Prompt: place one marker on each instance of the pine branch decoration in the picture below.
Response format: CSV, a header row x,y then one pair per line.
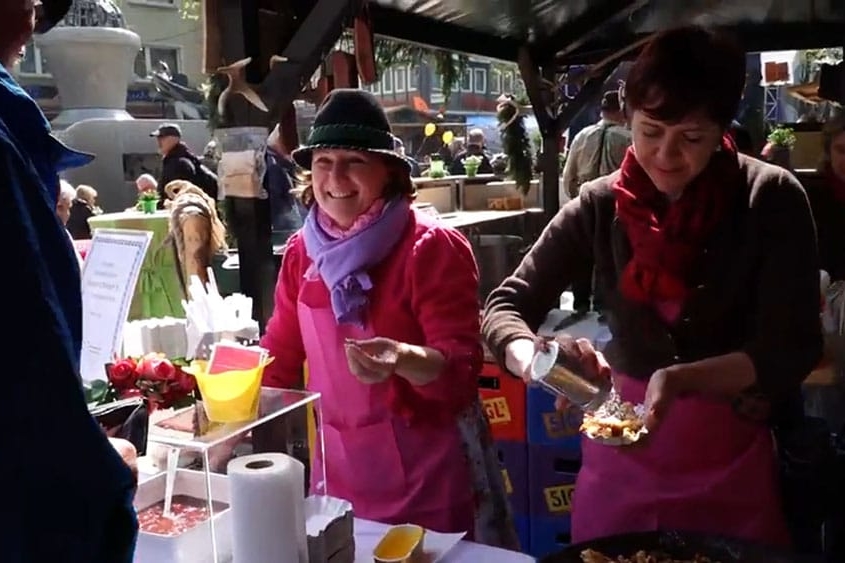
x,y
516,142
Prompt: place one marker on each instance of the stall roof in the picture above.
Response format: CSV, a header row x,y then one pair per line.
x,y
579,31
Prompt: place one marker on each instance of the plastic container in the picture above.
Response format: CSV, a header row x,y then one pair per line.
x,y
401,544
231,396
194,545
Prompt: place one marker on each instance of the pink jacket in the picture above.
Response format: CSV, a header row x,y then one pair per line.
x,y
424,293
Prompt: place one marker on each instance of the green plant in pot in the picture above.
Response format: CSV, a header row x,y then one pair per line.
x,y
471,164
148,201
779,149
438,167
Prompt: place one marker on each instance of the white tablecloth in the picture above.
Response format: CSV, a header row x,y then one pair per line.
x,y
368,534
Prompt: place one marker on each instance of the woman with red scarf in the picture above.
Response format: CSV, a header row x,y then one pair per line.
x,y
708,258
826,191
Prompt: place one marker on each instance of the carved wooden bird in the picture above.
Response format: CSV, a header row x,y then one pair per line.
x,y
236,73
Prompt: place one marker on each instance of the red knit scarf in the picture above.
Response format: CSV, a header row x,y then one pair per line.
x,y
836,185
668,238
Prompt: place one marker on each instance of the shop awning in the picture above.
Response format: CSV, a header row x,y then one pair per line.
x,y
577,31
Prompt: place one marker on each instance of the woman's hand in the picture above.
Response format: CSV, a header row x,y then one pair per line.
x,y
518,357
661,391
373,360
592,361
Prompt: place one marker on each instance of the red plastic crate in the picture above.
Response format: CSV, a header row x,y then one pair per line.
x,y
503,397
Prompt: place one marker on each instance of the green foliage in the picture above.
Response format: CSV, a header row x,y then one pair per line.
x,y
190,9
450,66
782,137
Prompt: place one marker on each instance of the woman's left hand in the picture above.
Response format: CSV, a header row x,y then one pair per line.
x,y
373,360
662,389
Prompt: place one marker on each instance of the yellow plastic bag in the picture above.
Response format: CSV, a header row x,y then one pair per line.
x,y
231,396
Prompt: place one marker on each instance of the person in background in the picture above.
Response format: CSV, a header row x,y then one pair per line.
x,y
742,138
382,301
84,207
712,277
596,150
285,210
400,149
64,209
179,163
475,147
65,464
146,182
827,198
64,203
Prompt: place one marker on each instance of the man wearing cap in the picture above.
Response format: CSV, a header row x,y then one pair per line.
x,y
68,494
595,151
177,161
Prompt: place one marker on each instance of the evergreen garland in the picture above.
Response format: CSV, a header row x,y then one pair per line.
x,y
516,143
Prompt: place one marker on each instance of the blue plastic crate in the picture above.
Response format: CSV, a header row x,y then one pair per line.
x,y
551,481
549,535
513,460
523,531
548,427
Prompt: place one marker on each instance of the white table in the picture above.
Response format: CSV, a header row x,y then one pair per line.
x,y
368,534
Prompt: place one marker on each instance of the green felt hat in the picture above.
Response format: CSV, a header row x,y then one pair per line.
x,y
349,119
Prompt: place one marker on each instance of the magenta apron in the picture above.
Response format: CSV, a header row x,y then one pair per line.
x,y
392,472
704,469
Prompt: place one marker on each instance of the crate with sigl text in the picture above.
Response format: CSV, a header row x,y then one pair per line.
x,y
549,427
503,398
513,461
551,482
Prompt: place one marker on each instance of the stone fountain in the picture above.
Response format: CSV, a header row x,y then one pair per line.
x,y
91,56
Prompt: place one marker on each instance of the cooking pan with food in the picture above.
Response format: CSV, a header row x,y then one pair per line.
x,y
680,546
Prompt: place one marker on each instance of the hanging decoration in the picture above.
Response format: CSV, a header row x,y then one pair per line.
x,y
429,129
448,137
516,143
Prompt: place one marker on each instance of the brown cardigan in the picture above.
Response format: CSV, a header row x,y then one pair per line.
x,y
757,285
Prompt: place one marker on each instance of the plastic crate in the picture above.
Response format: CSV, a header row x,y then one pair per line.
x,y
551,481
548,427
522,523
513,458
503,397
548,536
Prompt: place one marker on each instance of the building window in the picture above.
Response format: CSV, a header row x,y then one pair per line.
x,y
495,81
149,57
387,82
507,83
413,78
34,62
466,80
479,78
399,77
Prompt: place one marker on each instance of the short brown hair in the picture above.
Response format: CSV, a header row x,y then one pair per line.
x,y
687,69
400,183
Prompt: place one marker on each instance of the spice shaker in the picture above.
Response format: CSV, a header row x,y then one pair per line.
x,y
560,372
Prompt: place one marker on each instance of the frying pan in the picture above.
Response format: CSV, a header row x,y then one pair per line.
x,y
680,545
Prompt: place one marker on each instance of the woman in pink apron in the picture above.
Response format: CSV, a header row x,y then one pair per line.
x,y
382,302
707,261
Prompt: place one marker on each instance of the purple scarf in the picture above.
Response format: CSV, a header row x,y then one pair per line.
x,y
343,263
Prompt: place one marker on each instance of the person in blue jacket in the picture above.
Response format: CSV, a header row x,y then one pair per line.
x,y
67,495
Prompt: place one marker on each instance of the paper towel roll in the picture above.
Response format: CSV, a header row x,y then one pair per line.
x,y
268,509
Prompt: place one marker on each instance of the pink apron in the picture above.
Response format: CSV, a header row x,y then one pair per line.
x,y
392,472
704,469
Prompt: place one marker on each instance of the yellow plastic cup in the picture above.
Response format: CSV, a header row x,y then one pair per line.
x,y
231,396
